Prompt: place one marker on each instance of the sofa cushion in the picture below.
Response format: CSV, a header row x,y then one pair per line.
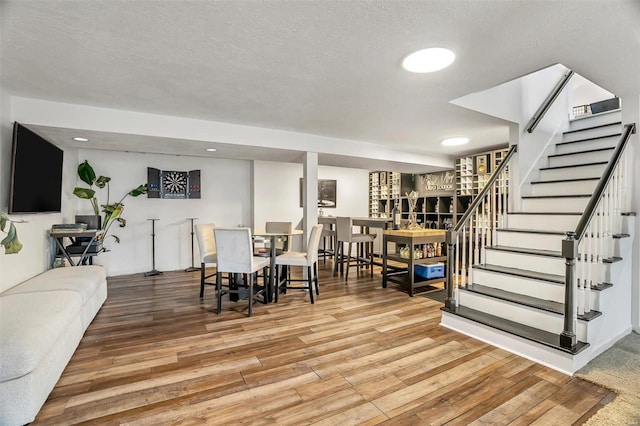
x,y
83,279
30,325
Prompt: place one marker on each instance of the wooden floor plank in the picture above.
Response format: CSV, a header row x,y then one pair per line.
x,y
158,354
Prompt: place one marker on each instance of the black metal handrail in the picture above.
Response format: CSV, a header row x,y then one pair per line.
x,y
590,209
451,234
494,176
542,110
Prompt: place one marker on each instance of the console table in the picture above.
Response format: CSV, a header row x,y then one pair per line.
x,y
410,238
60,235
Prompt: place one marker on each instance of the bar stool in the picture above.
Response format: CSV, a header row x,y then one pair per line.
x,y
344,234
331,235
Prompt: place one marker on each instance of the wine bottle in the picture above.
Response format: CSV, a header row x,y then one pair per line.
x,y
396,216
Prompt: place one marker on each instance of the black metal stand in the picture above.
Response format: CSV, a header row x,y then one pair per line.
x,y
192,267
153,271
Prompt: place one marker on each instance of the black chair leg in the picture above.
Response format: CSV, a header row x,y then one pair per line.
x,y
346,273
219,288
310,283
250,282
315,277
201,280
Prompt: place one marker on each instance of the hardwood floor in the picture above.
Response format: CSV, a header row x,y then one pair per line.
x,y
157,354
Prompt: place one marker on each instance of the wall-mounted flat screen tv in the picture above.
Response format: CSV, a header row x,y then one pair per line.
x,y
36,173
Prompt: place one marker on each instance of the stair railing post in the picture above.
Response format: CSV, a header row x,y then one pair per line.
x,y
569,252
450,241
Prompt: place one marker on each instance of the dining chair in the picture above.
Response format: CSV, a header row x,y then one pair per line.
x,y
344,234
207,249
296,258
235,256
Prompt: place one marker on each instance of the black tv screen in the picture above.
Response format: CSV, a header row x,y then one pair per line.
x,y
36,173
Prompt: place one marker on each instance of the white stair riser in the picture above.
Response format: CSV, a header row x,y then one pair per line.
x,y
543,222
591,133
575,159
593,170
515,284
596,120
530,240
578,187
609,142
529,287
558,205
532,317
546,264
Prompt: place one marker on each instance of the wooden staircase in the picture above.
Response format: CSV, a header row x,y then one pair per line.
x,y
514,296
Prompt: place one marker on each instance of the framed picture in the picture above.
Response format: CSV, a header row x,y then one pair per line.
x,y
326,193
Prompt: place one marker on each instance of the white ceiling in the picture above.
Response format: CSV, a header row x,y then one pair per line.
x,y
321,67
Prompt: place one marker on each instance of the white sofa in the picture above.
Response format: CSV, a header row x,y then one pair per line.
x,y
42,321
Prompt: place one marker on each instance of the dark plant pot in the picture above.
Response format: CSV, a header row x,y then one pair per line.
x,y
92,221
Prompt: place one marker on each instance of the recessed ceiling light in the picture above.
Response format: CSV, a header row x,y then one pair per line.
x,y
81,139
428,60
455,141
211,149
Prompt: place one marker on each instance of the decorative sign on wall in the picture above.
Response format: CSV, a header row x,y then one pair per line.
x,y
173,184
437,182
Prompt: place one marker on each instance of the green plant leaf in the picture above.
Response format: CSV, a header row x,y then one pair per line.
x,y
102,181
11,243
142,189
85,193
3,220
86,173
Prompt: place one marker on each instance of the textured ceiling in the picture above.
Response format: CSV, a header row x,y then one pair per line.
x,y
322,67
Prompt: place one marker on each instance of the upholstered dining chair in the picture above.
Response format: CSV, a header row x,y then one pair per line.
x,y
235,256
207,249
296,258
344,234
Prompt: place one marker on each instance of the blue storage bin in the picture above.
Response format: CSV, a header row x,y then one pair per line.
x,y
435,270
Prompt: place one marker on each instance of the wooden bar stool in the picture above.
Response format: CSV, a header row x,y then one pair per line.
x,y
344,234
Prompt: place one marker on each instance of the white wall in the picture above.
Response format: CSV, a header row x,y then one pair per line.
x,y
226,201
276,189
586,92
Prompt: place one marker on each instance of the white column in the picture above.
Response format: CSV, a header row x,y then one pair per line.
x,y
631,114
310,194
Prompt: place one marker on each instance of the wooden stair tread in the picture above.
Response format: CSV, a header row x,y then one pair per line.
x,y
549,213
522,299
565,180
589,139
538,252
597,163
525,273
530,231
526,332
581,152
557,196
615,123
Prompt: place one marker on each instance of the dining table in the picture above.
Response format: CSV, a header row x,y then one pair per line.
x,y
273,238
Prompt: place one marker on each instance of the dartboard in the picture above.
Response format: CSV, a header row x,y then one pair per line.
x,y
174,182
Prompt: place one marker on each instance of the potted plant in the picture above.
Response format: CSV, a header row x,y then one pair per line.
x,y
112,212
10,242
